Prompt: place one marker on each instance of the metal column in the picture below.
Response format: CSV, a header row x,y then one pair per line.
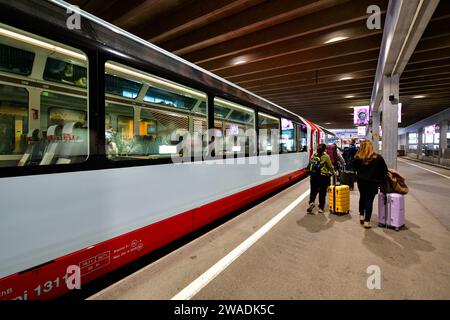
x,y
376,130
390,120
443,127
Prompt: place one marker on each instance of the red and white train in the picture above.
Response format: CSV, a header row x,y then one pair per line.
x,y
86,176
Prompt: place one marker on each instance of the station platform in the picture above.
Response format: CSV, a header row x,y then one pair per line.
x,y
302,256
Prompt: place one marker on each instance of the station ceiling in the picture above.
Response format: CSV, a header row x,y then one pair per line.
x,y
287,50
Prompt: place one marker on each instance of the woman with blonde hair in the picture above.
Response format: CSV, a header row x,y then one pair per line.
x,y
371,169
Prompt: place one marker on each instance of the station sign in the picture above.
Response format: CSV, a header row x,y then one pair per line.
x,y
361,115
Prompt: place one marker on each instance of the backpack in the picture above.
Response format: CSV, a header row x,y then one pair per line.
x,y
314,166
332,153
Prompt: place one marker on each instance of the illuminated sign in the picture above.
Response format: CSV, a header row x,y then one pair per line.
x,y
361,115
430,129
361,131
286,124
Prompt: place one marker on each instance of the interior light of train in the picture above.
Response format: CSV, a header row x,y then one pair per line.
x,y
267,116
233,105
154,80
164,149
39,43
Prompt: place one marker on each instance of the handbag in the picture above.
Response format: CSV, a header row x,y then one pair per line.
x,y
393,182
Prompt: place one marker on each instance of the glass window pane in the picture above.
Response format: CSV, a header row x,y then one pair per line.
x,y
167,98
119,123
288,139
13,124
122,87
15,60
302,138
56,131
269,130
64,128
65,72
169,112
235,126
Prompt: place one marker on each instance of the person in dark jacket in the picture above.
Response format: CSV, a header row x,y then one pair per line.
x,y
370,169
320,177
349,155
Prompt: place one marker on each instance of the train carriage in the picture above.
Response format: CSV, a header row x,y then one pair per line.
x,y
91,121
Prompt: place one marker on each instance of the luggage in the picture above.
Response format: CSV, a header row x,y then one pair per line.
x,y
348,178
391,210
332,153
339,198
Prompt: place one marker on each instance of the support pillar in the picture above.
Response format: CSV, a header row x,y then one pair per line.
x,y
419,144
443,127
390,120
376,130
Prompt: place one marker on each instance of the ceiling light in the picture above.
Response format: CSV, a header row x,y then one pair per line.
x,y
327,122
240,62
335,39
346,78
349,97
419,97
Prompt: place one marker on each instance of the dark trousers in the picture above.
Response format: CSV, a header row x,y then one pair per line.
x,y
319,185
367,192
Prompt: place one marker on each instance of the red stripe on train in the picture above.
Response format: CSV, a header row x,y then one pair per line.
x,y
48,281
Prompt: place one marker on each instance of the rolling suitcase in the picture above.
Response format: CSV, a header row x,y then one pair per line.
x,y
391,210
339,198
348,178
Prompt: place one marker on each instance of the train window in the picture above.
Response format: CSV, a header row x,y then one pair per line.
x,y
122,87
235,128
51,129
157,127
16,60
13,124
67,72
302,138
288,136
269,131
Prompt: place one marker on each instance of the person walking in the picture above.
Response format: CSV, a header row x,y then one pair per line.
x,y
349,155
371,169
320,168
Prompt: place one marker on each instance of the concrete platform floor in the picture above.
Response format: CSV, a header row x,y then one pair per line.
x,y
319,256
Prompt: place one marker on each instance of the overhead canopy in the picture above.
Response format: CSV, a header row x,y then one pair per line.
x,y
317,58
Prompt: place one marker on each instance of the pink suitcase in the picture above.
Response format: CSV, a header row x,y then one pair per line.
x,y
391,213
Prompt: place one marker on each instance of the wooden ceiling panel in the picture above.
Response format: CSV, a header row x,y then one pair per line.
x,y
278,49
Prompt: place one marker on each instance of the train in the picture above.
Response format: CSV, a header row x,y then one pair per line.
x,y
91,120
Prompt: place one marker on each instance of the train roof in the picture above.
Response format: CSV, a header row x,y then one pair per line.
x,y
111,39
